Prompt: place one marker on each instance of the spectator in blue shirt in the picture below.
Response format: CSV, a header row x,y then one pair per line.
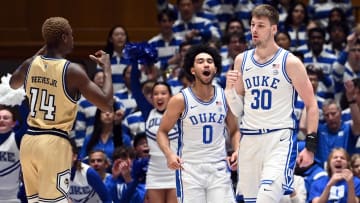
x,y
106,136
341,186
335,133
126,184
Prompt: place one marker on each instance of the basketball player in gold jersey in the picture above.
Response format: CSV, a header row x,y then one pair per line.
x,y
53,85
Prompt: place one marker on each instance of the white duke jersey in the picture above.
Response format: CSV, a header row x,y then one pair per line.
x,y
80,190
159,176
267,91
152,126
202,128
9,169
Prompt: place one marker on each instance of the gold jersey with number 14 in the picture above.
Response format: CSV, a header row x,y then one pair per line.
x,y
51,107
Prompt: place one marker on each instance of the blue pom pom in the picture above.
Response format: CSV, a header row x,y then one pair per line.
x,y
141,52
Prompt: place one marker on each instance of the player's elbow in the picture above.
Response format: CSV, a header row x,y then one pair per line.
x,y
14,83
107,106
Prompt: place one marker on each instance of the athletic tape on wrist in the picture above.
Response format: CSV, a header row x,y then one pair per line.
x,y
235,101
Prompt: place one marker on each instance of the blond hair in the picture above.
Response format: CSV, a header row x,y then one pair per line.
x,y
53,28
267,11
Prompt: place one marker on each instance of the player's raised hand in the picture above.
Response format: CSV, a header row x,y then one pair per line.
x,y
231,77
101,58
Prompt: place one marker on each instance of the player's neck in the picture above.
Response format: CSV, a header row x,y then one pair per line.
x,y
52,53
264,53
203,92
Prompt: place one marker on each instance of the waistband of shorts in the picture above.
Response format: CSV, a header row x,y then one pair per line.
x,y
245,131
207,162
39,131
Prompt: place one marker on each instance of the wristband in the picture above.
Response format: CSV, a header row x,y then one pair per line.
x,y
311,142
235,101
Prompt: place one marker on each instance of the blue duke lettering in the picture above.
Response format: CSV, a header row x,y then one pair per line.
x,y
263,81
7,156
154,122
207,118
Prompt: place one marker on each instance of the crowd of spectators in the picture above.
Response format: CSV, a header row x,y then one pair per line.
x,y
116,145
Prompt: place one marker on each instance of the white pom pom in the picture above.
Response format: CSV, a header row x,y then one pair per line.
x,y
9,96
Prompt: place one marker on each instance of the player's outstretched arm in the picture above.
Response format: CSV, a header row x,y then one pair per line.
x,y
297,73
78,80
173,111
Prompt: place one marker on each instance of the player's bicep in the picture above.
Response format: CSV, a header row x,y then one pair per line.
x,y
79,81
173,112
299,78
